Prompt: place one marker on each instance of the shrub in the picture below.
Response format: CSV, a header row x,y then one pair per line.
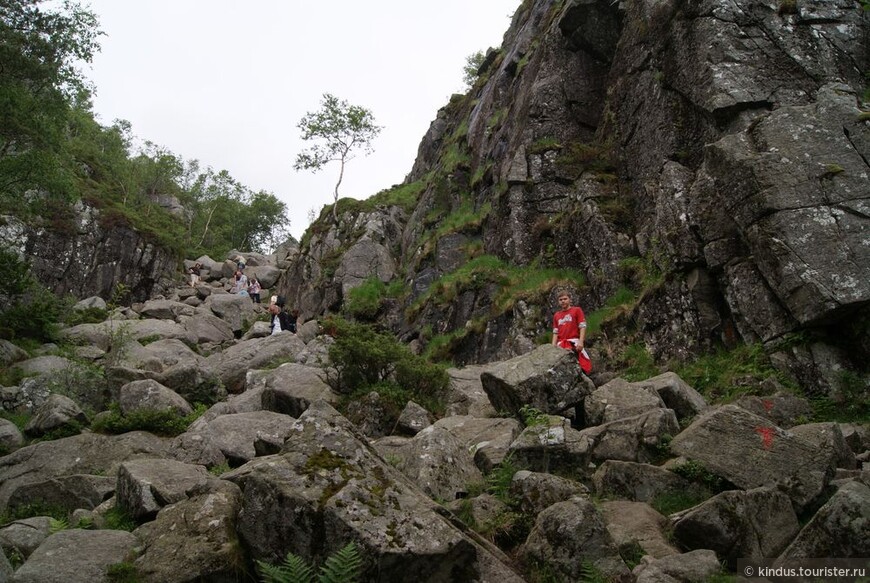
x,y
166,422
363,357
364,301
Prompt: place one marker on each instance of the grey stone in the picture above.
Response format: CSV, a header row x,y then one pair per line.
x,y
194,539
57,412
466,395
24,536
292,387
240,437
91,302
638,482
750,452
165,309
783,409
232,364
636,523
67,492
149,395
685,401
754,524
568,535
9,353
840,528
413,419
42,365
699,565
10,436
76,556
487,439
829,438
547,379
336,489
235,310
619,399
147,485
207,328
537,491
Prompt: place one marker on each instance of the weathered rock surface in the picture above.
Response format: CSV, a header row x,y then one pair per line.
x,y
754,524
149,395
76,556
619,399
569,534
337,490
239,437
194,539
68,492
547,379
232,364
841,528
413,419
750,452
147,485
685,401
537,492
292,387
487,439
466,394
636,523
638,482
88,453
698,565
24,536
58,411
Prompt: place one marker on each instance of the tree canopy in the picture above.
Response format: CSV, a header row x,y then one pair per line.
x,y
336,130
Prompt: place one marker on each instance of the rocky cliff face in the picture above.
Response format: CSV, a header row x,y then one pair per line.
x,y
92,254
709,157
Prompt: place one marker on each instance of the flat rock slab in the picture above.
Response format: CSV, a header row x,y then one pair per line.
x,y
749,451
77,556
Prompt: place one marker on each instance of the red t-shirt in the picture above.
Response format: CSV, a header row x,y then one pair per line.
x,y
567,323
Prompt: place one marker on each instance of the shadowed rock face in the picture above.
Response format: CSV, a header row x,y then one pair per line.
x,y
720,142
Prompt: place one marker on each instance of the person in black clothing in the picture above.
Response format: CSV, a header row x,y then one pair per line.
x,y
292,319
281,321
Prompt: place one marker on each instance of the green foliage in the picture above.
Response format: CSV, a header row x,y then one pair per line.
x,y
31,509
471,69
364,301
219,469
85,316
402,195
122,573
362,357
57,525
576,158
28,309
337,130
544,145
116,518
343,566
639,364
631,553
675,501
166,422
696,472
849,403
622,300
498,482
725,374
532,416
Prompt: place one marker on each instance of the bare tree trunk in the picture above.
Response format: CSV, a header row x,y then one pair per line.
x,y
207,223
335,194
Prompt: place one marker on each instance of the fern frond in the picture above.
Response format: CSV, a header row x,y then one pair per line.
x,y
297,570
342,567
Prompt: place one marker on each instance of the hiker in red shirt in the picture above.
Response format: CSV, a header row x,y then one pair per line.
x,y
569,330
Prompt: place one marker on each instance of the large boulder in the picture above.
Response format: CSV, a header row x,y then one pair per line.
x,y
9,353
466,395
59,412
550,447
619,399
828,437
537,491
676,394
77,556
632,524
439,464
147,485
68,492
237,311
569,535
637,482
782,408
165,309
754,524
240,437
548,379
194,539
10,436
267,275
42,365
840,528
160,355
749,451
632,439
24,536
206,328
328,487
413,419
292,387
232,364
700,565
88,453
487,439
149,395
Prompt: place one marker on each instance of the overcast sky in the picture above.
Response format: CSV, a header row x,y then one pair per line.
x,y
226,82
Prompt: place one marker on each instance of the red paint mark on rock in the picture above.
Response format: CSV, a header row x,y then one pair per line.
x,y
768,404
766,434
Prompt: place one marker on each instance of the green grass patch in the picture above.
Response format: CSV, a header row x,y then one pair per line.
x,y
623,299
639,364
405,196
724,375
116,518
167,422
669,502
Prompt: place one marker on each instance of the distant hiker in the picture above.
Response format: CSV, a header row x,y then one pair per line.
x,y
254,288
241,284
280,321
194,274
293,318
240,262
569,330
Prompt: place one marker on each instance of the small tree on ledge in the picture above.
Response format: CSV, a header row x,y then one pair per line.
x,y
337,129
